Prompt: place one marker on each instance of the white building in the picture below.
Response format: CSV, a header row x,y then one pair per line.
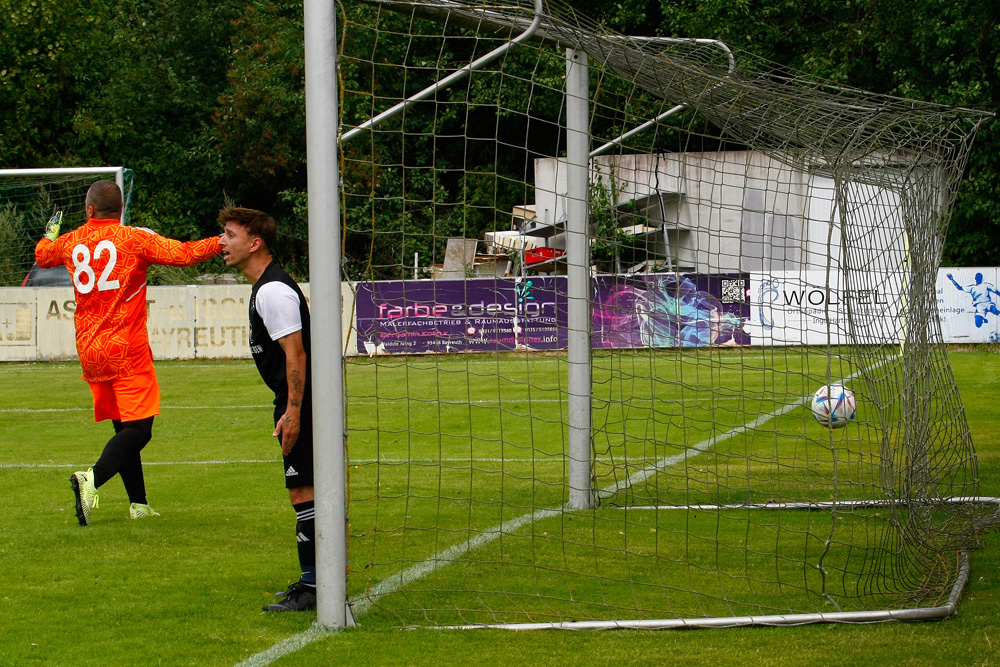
x,y
719,212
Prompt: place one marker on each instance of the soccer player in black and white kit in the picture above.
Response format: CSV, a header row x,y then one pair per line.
x,y
279,343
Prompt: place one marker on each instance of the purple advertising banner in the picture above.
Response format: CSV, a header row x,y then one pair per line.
x,y
667,310
487,314
475,315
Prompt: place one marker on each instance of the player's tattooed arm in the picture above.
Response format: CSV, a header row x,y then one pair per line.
x,y
296,387
296,365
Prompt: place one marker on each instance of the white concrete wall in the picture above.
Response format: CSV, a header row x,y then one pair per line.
x,y
188,322
739,210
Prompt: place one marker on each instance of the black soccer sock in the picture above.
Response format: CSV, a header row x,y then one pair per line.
x,y
122,456
305,536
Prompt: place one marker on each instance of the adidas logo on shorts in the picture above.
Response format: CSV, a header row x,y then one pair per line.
x,y
291,472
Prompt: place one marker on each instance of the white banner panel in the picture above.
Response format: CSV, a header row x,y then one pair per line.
x,y
18,312
811,307
348,330
969,304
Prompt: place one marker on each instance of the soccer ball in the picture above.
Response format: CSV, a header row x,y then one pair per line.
x,y
834,405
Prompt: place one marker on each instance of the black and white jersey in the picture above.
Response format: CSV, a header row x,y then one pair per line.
x,y
277,309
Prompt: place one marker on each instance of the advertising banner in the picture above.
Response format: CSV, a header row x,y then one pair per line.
x,y
811,308
969,304
415,316
486,314
666,310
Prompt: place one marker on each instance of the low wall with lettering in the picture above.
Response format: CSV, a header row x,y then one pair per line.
x,y
779,308
188,322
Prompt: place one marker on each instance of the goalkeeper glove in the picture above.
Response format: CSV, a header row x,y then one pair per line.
x,y
52,226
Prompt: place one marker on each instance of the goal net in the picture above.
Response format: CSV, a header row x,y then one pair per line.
x,y
740,237
29,197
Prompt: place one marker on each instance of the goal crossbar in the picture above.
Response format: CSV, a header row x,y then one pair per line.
x,y
117,172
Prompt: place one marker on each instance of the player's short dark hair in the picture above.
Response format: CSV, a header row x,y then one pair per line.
x,y
106,198
257,223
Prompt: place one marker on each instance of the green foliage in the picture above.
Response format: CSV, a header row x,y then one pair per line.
x,y
450,159
12,233
204,100
934,50
259,119
152,89
975,224
42,44
605,221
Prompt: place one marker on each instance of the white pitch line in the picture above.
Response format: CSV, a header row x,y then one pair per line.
x,y
449,555
288,646
557,460
79,466
166,364
37,410
700,448
443,558
386,401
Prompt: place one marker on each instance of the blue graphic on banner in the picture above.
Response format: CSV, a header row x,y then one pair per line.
x,y
981,292
767,296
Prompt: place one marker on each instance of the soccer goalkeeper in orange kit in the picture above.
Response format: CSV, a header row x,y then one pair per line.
x,y
108,262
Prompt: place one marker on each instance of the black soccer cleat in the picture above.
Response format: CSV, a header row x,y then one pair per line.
x,y
299,597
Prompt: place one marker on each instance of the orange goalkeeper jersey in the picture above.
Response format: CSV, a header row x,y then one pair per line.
x,y
108,262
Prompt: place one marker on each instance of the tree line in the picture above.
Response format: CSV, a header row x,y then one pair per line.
x,y
204,100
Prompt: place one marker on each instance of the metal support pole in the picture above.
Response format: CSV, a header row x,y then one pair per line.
x,y
680,107
581,494
325,310
449,80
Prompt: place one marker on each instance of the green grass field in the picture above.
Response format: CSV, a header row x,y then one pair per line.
x,y
186,588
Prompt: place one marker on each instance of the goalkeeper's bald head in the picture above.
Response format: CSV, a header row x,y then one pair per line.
x,y
106,199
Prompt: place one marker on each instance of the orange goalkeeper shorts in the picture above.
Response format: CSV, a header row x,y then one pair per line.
x,y
126,399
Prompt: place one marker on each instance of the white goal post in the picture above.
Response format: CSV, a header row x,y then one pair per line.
x,y
117,172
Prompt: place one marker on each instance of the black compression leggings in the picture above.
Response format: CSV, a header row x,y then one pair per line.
x,y
121,456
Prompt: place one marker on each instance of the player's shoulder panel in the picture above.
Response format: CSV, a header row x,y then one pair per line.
x,y
139,235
